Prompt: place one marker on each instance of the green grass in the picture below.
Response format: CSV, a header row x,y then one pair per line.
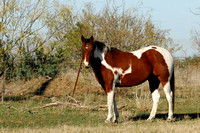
x,y
24,116
48,117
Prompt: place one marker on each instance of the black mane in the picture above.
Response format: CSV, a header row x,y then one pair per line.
x,y
101,46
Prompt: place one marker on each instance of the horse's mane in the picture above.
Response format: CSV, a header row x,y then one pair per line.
x,y
101,46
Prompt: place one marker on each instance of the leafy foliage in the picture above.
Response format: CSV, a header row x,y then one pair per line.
x,y
37,37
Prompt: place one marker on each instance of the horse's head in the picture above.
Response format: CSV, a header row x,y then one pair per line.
x,y
87,49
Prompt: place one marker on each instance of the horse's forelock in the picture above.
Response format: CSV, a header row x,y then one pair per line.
x,y
87,41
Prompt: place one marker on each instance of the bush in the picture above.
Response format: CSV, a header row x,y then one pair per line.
x,y
36,64
188,62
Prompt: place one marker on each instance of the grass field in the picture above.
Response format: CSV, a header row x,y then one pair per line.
x,y
21,110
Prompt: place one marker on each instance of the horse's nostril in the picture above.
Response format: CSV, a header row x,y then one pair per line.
x,y
87,66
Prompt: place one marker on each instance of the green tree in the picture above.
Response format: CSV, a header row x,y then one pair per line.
x,y
22,24
124,29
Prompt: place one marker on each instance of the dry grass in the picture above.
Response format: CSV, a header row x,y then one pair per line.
x,y
64,83
89,91
128,127
187,77
138,99
143,100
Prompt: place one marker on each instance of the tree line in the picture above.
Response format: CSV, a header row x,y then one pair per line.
x,y
40,37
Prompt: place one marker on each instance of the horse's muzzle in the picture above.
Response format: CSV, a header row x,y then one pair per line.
x,y
86,64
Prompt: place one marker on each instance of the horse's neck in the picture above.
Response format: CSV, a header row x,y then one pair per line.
x,y
95,62
97,57
101,50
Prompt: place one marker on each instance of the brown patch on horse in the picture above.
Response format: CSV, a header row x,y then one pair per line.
x,y
108,78
139,74
118,59
115,72
154,47
160,68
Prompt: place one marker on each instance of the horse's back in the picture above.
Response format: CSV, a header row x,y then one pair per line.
x,y
155,54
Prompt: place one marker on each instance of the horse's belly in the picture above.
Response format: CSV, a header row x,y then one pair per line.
x,y
131,80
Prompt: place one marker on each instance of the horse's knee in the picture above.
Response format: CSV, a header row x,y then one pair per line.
x,y
156,95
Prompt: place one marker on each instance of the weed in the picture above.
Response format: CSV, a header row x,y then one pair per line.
x,y
143,100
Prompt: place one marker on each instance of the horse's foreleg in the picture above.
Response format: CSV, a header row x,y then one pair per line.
x,y
116,114
155,96
110,101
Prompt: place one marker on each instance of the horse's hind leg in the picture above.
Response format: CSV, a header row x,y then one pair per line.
x,y
154,84
169,95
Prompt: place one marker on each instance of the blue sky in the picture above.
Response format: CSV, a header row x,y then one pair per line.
x,y
175,15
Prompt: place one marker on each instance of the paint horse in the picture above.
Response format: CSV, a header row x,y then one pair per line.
x,y
115,68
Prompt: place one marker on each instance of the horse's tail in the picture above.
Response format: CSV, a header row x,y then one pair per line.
x,y
172,85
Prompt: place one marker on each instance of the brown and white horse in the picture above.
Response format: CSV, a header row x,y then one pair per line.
x,y
115,68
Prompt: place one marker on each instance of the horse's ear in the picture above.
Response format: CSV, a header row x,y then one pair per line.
x,y
82,39
91,39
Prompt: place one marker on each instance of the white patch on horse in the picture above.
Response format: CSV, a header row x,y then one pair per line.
x,y
110,101
169,96
138,53
116,69
168,59
85,62
156,97
129,70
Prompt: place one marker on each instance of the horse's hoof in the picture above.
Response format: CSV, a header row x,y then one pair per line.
x,y
107,121
115,121
171,119
149,119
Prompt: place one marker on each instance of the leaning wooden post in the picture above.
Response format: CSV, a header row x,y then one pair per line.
x,y
79,70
